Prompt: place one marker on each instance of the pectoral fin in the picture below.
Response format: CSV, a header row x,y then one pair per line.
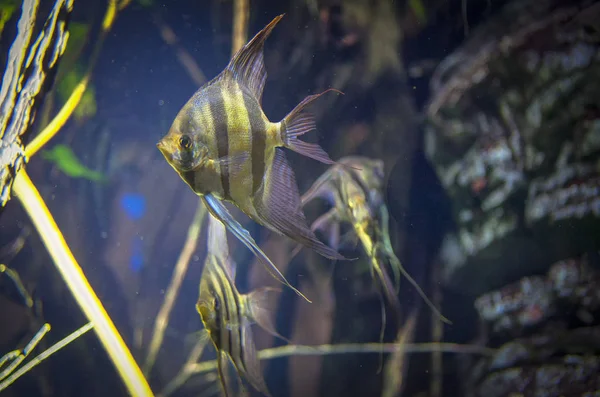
x,y
219,211
233,163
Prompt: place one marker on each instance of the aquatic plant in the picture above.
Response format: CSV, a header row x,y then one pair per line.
x,y
34,205
61,254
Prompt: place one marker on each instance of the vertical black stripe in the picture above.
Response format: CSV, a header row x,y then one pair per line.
x,y
190,178
259,133
220,123
222,311
231,325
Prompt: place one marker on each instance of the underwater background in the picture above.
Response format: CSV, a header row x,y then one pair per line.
x,y
485,117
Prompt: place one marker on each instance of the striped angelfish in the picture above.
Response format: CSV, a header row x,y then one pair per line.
x,y
226,149
354,187
227,315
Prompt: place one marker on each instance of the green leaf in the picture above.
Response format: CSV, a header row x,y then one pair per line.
x,y
87,106
418,9
7,9
146,3
69,164
78,35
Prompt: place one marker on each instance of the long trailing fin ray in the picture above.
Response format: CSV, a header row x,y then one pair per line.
x,y
260,308
277,203
247,66
385,288
253,370
297,123
217,244
387,246
394,261
397,266
219,211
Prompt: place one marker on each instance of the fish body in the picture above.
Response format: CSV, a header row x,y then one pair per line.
x,y
228,315
354,187
225,148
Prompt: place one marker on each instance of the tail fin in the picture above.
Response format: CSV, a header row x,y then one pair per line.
x,y
297,123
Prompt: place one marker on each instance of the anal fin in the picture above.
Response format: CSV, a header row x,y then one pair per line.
x,y
219,211
277,204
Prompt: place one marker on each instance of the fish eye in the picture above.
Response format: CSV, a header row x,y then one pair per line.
x,y
185,142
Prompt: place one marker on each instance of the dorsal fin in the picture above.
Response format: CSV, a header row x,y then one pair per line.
x,y
247,65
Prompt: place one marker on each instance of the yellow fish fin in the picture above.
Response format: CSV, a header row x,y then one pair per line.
x,y
277,204
385,288
247,66
219,211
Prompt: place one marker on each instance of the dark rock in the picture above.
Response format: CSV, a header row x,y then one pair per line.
x,y
514,139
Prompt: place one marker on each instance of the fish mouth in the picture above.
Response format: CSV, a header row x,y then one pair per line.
x,y
161,145
164,148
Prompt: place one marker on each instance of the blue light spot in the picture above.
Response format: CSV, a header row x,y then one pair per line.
x,y
134,205
136,260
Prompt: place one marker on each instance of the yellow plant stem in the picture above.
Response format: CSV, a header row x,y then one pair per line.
x,y
69,107
73,276
241,12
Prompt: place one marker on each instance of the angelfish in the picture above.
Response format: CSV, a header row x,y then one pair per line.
x,y
227,315
225,148
354,187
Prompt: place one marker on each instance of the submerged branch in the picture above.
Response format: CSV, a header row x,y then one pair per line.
x,y
24,77
14,276
241,13
160,325
348,348
79,286
187,369
184,57
47,353
17,356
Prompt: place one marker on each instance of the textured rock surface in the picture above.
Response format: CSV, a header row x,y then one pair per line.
x,y
29,67
514,135
555,319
